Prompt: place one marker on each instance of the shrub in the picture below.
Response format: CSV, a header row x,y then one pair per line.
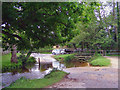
x,y
69,58
21,61
30,60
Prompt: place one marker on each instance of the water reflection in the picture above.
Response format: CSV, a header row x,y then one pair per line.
x,y
37,71
76,64
45,66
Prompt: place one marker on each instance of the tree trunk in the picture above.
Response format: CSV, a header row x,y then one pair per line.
x,y
74,46
82,46
14,56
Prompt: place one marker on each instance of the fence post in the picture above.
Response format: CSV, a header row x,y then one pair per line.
x,y
39,62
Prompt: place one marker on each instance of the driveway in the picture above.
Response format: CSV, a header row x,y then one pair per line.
x,y
90,77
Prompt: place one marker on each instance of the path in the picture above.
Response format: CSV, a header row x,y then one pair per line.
x,y
44,58
114,61
92,77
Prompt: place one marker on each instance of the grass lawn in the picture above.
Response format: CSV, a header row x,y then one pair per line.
x,y
6,59
100,61
50,79
64,56
8,66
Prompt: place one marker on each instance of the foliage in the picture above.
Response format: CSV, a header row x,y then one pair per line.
x,y
8,66
51,23
47,49
65,57
22,58
31,60
100,31
49,20
6,59
113,55
41,83
12,66
100,61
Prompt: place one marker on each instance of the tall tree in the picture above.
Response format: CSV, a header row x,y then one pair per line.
x,y
32,25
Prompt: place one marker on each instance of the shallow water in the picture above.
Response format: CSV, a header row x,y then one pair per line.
x,y
76,64
37,71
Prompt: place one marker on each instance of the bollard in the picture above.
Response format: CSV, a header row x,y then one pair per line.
x,y
39,62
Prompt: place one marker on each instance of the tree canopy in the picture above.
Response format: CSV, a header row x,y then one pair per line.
x,y
31,25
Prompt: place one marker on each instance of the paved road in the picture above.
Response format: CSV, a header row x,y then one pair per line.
x,y
114,61
44,58
90,77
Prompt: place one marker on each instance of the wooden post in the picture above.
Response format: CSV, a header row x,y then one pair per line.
x,y
39,62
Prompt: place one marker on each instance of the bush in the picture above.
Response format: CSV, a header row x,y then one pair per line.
x,y
21,61
69,58
30,60
22,58
11,66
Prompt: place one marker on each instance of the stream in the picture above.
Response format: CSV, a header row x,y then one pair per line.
x,y
32,72
36,71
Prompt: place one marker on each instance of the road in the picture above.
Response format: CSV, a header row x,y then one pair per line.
x,y
114,61
44,58
90,77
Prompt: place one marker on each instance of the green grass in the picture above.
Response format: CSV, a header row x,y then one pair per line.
x,y
46,52
100,61
6,59
64,57
50,79
8,66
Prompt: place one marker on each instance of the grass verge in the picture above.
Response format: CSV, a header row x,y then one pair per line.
x,y
49,79
8,66
6,59
64,57
100,61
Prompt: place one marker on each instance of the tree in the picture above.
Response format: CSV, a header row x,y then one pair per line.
x,y
87,28
33,25
100,31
